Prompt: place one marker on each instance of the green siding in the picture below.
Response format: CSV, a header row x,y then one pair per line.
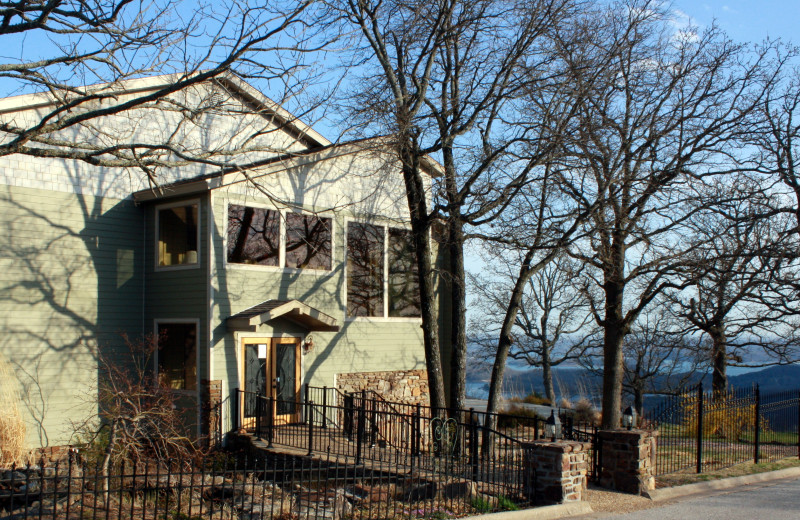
x,y
71,280
361,345
179,294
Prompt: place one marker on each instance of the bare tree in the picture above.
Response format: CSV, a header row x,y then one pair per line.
x,y
663,117
553,323
443,78
734,281
84,58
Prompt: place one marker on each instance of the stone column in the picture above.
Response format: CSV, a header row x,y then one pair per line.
x,y
555,472
628,460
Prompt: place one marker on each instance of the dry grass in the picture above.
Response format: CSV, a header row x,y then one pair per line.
x,y
12,427
746,468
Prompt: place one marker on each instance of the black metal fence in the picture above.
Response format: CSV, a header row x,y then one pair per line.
x,y
702,431
364,429
234,488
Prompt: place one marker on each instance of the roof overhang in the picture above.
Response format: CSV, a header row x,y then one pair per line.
x,y
294,311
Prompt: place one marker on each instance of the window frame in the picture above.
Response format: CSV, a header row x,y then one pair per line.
x,y
157,232
385,283
282,236
179,321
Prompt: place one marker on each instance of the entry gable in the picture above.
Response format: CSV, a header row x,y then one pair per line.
x,y
291,310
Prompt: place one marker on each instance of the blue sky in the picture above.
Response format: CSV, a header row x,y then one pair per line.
x,y
747,20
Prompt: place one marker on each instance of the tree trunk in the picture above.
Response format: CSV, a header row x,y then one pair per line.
x,y
420,225
547,375
638,397
458,295
719,358
503,346
613,336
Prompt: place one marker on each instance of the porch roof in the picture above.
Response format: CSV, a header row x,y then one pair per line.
x,y
291,310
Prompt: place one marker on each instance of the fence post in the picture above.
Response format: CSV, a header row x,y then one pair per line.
x,y
270,419
324,407
373,423
418,433
360,427
258,416
473,444
700,427
236,410
798,425
310,412
308,400
758,426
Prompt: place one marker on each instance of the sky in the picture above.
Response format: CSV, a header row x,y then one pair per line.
x,y
747,20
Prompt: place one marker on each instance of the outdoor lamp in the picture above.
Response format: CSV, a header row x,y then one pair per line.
x,y
552,427
628,417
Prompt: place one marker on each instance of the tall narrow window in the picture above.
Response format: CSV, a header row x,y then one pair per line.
x,y
308,242
253,235
364,270
177,355
403,293
177,235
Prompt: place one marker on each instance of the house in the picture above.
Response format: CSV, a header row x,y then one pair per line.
x,y
295,268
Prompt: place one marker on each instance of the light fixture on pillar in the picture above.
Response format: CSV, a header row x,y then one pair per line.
x,y
628,417
552,427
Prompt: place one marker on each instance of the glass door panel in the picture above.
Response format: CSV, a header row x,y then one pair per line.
x,y
286,378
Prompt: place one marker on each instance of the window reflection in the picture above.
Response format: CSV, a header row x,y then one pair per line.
x,y
403,279
253,235
308,242
364,270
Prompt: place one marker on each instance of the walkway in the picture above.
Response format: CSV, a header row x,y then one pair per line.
x,y
778,500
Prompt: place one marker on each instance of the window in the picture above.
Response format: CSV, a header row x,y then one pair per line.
x,y
364,270
403,291
177,355
253,235
381,272
308,242
177,235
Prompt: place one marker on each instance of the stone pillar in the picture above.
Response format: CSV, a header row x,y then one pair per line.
x,y
628,460
211,395
555,472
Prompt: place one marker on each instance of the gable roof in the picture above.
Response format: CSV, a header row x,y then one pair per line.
x,y
226,80
292,310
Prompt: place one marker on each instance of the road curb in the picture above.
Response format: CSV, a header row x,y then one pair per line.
x,y
660,495
539,513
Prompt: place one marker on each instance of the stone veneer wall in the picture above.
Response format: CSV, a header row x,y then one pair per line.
x,y
628,460
211,396
555,472
402,386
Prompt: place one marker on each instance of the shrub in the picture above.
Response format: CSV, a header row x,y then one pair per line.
x,y
585,412
12,427
532,398
515,416
725,417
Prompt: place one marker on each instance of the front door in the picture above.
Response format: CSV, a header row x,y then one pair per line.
x,y
271,369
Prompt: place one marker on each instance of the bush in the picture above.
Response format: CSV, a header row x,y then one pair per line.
x,y
725,417
515,416
532,398
585,413
12,427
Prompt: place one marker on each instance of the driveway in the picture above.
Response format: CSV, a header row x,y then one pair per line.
x,y
778,500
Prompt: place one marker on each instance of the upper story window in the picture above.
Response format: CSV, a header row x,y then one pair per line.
x,y
177,235
308,242
177,355
255,237
382,276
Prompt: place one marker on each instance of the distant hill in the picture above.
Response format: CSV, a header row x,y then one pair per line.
x,y
576,382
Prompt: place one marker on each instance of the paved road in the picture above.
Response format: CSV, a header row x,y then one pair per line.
x,y
779,500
